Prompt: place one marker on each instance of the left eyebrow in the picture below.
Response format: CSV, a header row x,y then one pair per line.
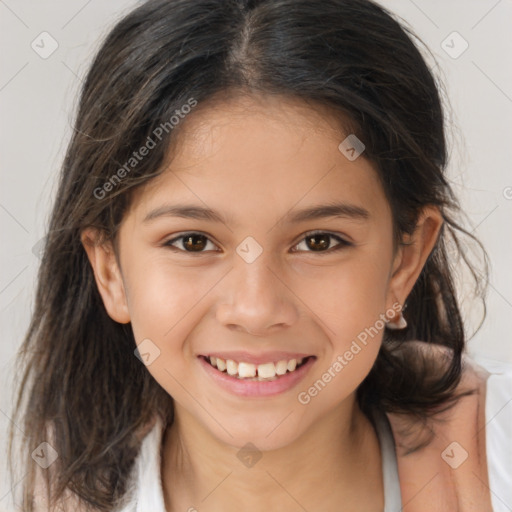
x,y
316,212
321,211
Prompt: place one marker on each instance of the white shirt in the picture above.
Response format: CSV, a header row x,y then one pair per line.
x,y
145,493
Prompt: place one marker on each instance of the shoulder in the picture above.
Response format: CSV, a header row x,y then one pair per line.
x,y
488,377
148,435
461,456
68,502
145,484
498,421
430,362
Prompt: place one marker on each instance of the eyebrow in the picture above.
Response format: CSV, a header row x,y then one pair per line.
x,y
320,211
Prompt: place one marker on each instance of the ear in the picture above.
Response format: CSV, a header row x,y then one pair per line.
x,y
412,255
107,275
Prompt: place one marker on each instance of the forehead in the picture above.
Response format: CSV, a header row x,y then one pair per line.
x,y
253,122
254,153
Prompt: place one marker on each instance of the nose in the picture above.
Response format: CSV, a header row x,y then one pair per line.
x,y
259,301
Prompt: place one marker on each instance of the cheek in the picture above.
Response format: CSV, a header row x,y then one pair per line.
x,y
350,301
161,298
347,297
165,303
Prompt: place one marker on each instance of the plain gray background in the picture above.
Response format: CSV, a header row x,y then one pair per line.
x,y
38,96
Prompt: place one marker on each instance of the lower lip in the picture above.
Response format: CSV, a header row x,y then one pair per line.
x,y
254,388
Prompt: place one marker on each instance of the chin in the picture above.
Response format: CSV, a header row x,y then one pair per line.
x,y
264,436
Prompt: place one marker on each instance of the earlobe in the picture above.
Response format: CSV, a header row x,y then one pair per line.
x,y
413,253
107,275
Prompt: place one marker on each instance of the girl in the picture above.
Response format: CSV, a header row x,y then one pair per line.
x,y
245,299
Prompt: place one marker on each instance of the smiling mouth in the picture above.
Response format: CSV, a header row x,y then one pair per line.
x,y
256,372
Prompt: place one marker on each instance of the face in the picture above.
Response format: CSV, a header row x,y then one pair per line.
x,y
259,284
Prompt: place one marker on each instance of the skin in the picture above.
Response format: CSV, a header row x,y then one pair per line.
x,y
254,159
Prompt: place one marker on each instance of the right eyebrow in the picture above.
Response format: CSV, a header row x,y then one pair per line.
x,y
186,211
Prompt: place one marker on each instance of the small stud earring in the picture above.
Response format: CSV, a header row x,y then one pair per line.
x,y
401,323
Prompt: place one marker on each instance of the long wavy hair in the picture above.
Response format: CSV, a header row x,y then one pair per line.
x,y
77,368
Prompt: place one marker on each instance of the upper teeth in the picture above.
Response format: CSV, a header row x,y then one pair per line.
x,y
244,370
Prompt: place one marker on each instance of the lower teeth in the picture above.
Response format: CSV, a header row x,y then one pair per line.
x,y
259,379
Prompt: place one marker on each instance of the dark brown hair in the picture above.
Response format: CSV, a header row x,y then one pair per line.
x,y
79,374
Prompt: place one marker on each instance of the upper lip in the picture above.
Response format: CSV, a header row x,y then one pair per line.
x,y
248,357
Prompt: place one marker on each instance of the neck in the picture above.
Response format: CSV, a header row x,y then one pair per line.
x,y
335,461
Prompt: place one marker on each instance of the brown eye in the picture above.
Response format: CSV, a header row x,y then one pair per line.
x,y
321,242
194,242
189,242
318,242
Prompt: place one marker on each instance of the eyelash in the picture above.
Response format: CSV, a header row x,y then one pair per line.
x,y
342,242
